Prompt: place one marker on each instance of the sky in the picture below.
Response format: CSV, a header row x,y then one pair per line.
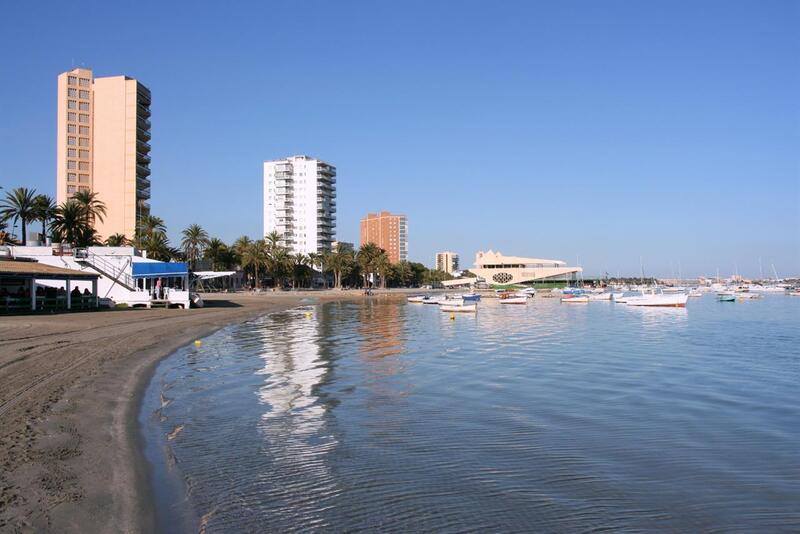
x,y
615,134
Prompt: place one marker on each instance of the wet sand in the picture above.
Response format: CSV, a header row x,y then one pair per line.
x,y
70,459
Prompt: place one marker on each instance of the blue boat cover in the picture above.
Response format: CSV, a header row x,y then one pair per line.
x,y
161,268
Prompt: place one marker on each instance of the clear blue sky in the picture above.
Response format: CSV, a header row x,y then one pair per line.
x,y
607,130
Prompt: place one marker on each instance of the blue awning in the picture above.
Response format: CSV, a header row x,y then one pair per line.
x,y
157,269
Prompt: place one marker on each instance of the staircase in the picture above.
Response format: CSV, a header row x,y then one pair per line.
x,y
108,269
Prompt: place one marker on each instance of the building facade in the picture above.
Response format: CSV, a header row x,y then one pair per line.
x,y
102,146
447,262
300,203
495,268
387,231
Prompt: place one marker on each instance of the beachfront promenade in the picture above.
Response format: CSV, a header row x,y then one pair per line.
x,y
69,455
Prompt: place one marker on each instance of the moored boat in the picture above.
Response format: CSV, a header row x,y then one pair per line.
x,y
436,299
726,296
577,299
460,308
510,298
655,297
417,299
471,297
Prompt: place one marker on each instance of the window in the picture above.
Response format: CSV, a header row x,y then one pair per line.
x,y
83,188
71,164
84,130
84,118
84,106
72,92
70,189
83,165
84,82
71,104
71,116
71,128
71,153
83,141
70,176
72,80
84,179
83,94
71,141
84,154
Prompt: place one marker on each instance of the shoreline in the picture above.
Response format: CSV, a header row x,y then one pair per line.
x,y
71,450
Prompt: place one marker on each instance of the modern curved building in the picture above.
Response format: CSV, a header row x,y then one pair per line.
x,y
495,268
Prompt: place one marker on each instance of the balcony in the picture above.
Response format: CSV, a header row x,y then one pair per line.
x,y
142,110
142,146
144,159
143,134
286,168
143,123
142,170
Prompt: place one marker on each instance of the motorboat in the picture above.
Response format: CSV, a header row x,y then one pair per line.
x,y
529,291
694,292
514,300
600,296
746,295
459,308
628,295
471,297
577,299
417,299
656,297
794,293
435,299
726,296
616,295
674,289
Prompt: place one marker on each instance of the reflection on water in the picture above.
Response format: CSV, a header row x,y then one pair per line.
x,y
548,417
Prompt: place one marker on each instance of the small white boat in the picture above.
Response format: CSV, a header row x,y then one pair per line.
x,y
579,299
695,293
746,295
515,299
417,298
726,296
459,308
600,296
616,295
794,293
436,299
657,298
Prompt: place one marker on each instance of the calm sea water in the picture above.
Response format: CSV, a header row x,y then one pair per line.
x,y
387,416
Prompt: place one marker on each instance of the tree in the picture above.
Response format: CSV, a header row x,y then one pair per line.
x,y
299,268
94,208
341,264
366,260
150,225
70,225
117,240
19,206
194,242
382,266
44,209
217,252
255,257
158,248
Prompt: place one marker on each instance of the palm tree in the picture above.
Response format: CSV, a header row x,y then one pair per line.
x,y
194,242
69,224
383,266
117,240
95,208
273,240
299,268
366,260
158,248
43,210
216,251
150,225
19,205
255,256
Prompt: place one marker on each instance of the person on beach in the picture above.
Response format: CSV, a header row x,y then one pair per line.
x,y
158,288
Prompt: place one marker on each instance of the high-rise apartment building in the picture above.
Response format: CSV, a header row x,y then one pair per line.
x,y
387,231
300,203
447,262
103,146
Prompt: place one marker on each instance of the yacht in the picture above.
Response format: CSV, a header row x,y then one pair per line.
x,y
657,297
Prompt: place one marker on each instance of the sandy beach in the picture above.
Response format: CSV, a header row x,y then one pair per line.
x,y
71,383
